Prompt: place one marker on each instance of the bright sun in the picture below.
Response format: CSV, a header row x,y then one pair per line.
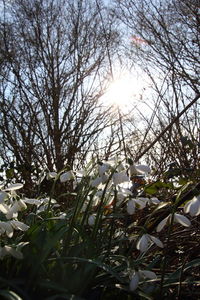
x,y
124,90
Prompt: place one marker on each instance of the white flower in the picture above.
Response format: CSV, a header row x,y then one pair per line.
x,y
104,178
119,178
122,194
91,220
131,207
13,210
193,206
103,168
147,274
21,204
7,250
153,200
67,176
5,227
139,169
137,276
146,240
4,208
51,175
32,201
14,187
134,282
96,182
3,196
19,225
133,203
177,219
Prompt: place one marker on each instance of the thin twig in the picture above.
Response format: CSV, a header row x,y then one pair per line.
x,y
167,128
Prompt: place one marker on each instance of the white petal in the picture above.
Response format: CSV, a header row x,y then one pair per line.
x,y
14,187
95,182
119,178
134,282
91,220
12,210
142,169
66,176
6,226
4,208
182,220
3,196
9,250
104,178
51,175
19,225
143,243
32,201
156,241
140,203
193,207
162,224
21,204
154,200
103,168
131,207
148,274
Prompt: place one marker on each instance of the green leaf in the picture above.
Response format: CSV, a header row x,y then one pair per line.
x,y
10,173
144,296
10,295
99,264
65,294
174,277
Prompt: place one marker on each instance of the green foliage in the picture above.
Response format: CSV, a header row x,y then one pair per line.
x,y
94,245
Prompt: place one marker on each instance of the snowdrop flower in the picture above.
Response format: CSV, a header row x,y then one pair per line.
x,y
147,274
143,169
131,207
91,220
33,201
96,182
177,219
3,196
4,208
13,210
19,225
21,204
133,203
7,250
153,200
51,175
139,169
103,168
134,282
193,206
120,177
146,240
6,227
137,276
14,187
122,194
67,176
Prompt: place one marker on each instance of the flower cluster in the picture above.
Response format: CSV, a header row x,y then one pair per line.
x,y
10,206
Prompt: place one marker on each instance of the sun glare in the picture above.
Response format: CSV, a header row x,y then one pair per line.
x,y
124,91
